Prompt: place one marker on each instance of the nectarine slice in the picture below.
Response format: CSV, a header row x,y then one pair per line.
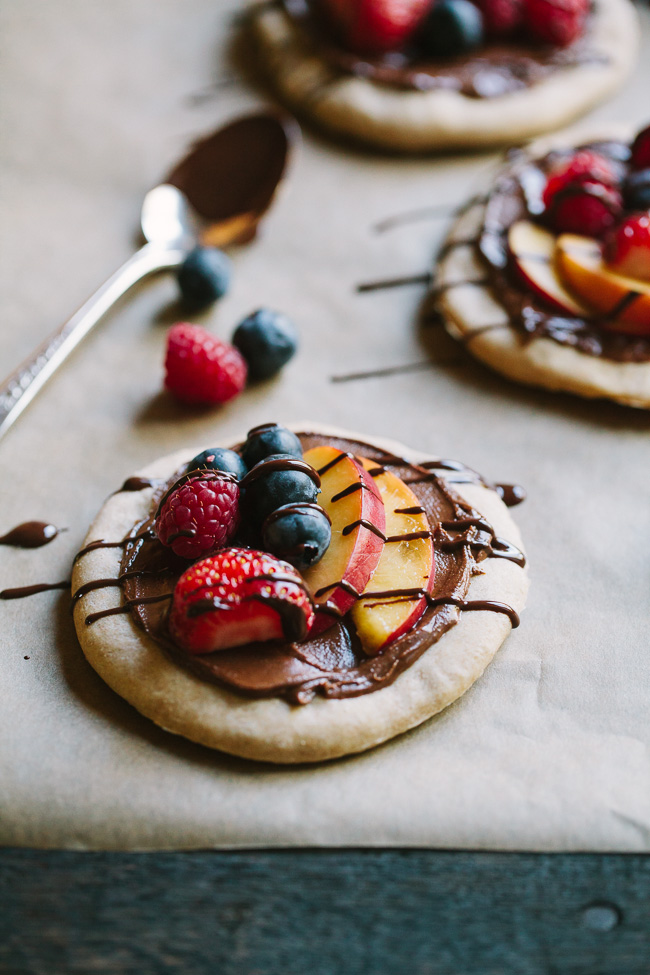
x,y
624,302
406,563
532,249
354,505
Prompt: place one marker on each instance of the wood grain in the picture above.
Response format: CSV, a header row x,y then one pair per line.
x,y
365,912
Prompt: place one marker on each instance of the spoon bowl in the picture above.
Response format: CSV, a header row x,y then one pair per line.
x,y
167,219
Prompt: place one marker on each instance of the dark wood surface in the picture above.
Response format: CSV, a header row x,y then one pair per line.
x,y
323,912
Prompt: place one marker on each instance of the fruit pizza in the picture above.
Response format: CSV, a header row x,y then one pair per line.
x,y
301,595
547,276
428,74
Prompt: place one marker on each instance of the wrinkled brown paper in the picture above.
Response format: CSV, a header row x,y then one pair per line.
x,y
548,751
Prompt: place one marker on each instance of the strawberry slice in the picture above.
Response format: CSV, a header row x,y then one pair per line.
x,y
239,596
375,26
627,251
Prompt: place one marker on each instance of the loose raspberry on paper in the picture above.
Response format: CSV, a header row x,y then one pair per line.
x,y
200,368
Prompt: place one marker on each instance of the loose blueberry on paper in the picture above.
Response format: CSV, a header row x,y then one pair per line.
x,y
203,277
267,340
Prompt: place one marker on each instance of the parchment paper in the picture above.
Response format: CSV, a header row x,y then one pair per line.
x,y
548,751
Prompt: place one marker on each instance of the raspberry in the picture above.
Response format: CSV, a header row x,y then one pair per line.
x,y
582,167
500,17
627,249
200,368
641,150
373,26
239,596
556,22
580,195
589,209
200,514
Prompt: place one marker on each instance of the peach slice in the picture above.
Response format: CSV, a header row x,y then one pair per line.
x,y
354,505
406,564
625,302
532,249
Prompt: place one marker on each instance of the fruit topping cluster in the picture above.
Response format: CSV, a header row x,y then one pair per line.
x,y
588,252
444,28
275,564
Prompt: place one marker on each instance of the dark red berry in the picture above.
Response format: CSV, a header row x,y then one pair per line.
x,y
589,209
556,22
641,150
200,514
200,368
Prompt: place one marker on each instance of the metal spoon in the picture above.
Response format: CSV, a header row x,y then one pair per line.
x,y
217,195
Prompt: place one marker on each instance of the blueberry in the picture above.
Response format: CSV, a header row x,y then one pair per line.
x,y
203,276
269,439
452,27
219,459
274,488
267,340
636,190
297,534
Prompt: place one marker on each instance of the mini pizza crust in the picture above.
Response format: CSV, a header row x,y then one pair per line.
x,y
272,730
475,317
418,121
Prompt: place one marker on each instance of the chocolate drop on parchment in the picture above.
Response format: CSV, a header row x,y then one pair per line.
x,y
30,534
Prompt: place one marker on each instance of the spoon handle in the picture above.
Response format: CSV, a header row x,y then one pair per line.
x,y
20,388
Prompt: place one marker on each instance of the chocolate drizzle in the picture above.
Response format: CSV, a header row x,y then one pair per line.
x,y
137,484
127,606
331,664
280,464
30,534
23,591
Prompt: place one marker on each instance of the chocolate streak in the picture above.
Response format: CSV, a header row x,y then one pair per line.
x,y
333,663
23,591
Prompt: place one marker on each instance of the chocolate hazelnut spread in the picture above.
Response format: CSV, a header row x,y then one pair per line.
x,y
333,663
492,71
516,195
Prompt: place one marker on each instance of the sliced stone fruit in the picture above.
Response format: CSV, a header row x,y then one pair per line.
x,y
407,563
355,507
623,302
533,249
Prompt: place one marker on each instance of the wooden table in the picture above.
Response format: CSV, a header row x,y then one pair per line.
x,y
357,912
